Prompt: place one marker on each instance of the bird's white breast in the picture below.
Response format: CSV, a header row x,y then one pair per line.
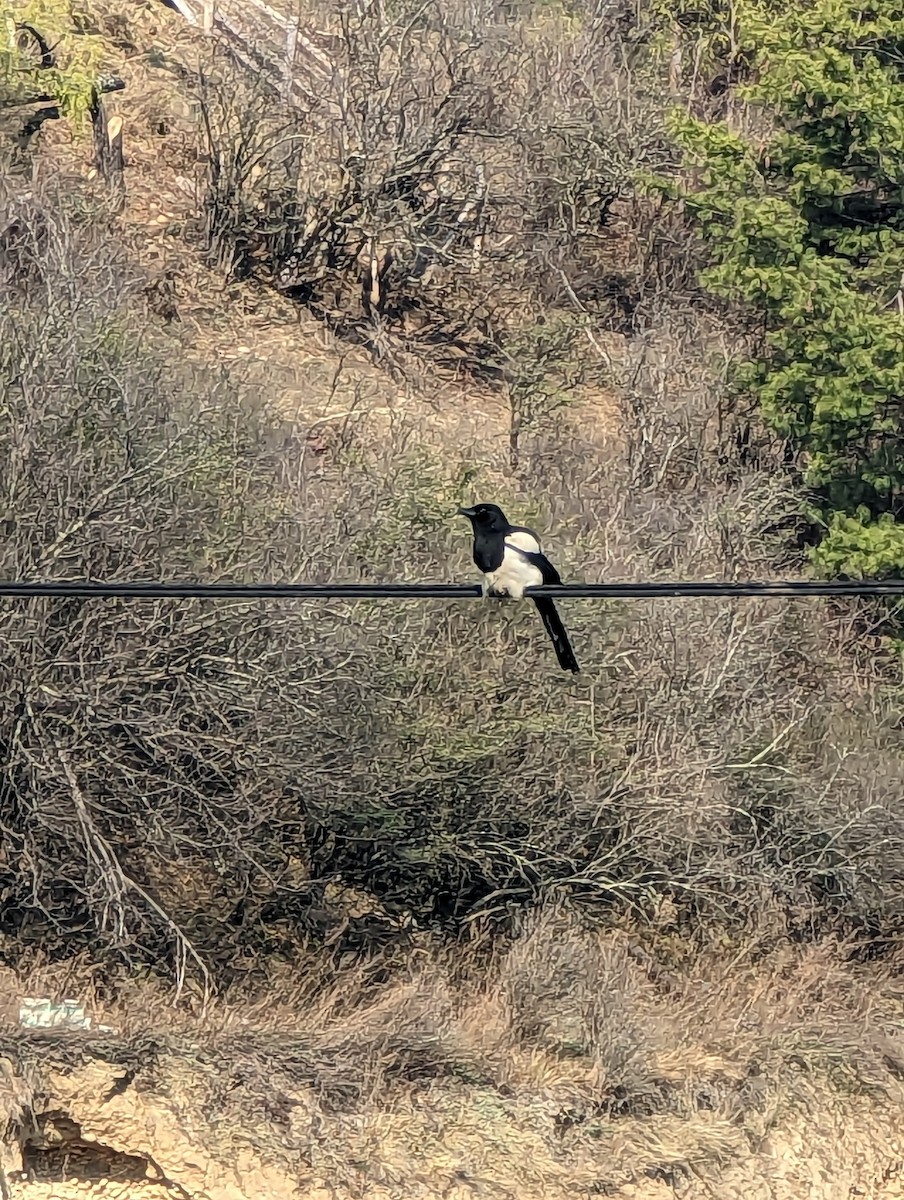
x,y
515,573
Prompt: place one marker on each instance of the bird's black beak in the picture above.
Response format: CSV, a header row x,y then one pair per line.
x,y
470,513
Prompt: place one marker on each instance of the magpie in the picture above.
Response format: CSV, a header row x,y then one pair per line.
x,y
511,560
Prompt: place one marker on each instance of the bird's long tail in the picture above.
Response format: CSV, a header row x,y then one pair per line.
x,y
557,633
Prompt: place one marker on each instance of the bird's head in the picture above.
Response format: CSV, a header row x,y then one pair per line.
x,y
485,516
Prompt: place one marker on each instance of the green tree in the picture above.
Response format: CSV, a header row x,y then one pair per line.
x,y
807,227
46,52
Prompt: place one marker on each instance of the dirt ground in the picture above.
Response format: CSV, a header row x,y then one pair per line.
x,y
779,1080
101,1134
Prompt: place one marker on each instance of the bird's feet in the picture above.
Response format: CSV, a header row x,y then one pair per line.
x,y
492,592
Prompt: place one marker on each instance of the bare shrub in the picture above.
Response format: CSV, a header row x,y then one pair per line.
x,y
192,781
453,168
190,775
376,188
128,727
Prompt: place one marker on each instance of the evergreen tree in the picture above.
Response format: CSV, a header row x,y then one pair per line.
x,y
807,226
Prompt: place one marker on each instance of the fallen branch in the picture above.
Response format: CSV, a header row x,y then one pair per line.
x,y
105,84
48,59
34,123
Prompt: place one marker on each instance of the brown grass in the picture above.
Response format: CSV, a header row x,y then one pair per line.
x,y
574,1062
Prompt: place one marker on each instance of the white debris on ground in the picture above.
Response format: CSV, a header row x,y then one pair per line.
x,y
40,1012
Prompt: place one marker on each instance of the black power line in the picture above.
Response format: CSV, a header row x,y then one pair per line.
x,y
436,591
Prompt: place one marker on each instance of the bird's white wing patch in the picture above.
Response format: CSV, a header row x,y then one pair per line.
x,y
522,540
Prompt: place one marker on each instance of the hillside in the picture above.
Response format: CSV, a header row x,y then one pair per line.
x,y
311,374
368,901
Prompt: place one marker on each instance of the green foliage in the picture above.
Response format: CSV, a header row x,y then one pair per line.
x,y
72,78
807,227
861,547
707,24
710,35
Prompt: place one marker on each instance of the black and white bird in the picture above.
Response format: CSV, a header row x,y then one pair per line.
x,y
511,560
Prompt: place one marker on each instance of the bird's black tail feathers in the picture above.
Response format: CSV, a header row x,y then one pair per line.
x,y
557,633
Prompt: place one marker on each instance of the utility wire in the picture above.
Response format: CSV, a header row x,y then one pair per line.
x,y
437,591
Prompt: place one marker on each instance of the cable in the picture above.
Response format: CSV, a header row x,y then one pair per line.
x,y
244,591
437,591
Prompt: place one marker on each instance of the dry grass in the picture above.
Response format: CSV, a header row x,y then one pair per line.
x,y
574,1062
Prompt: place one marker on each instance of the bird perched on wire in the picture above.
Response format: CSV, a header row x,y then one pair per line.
x,y
511,560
